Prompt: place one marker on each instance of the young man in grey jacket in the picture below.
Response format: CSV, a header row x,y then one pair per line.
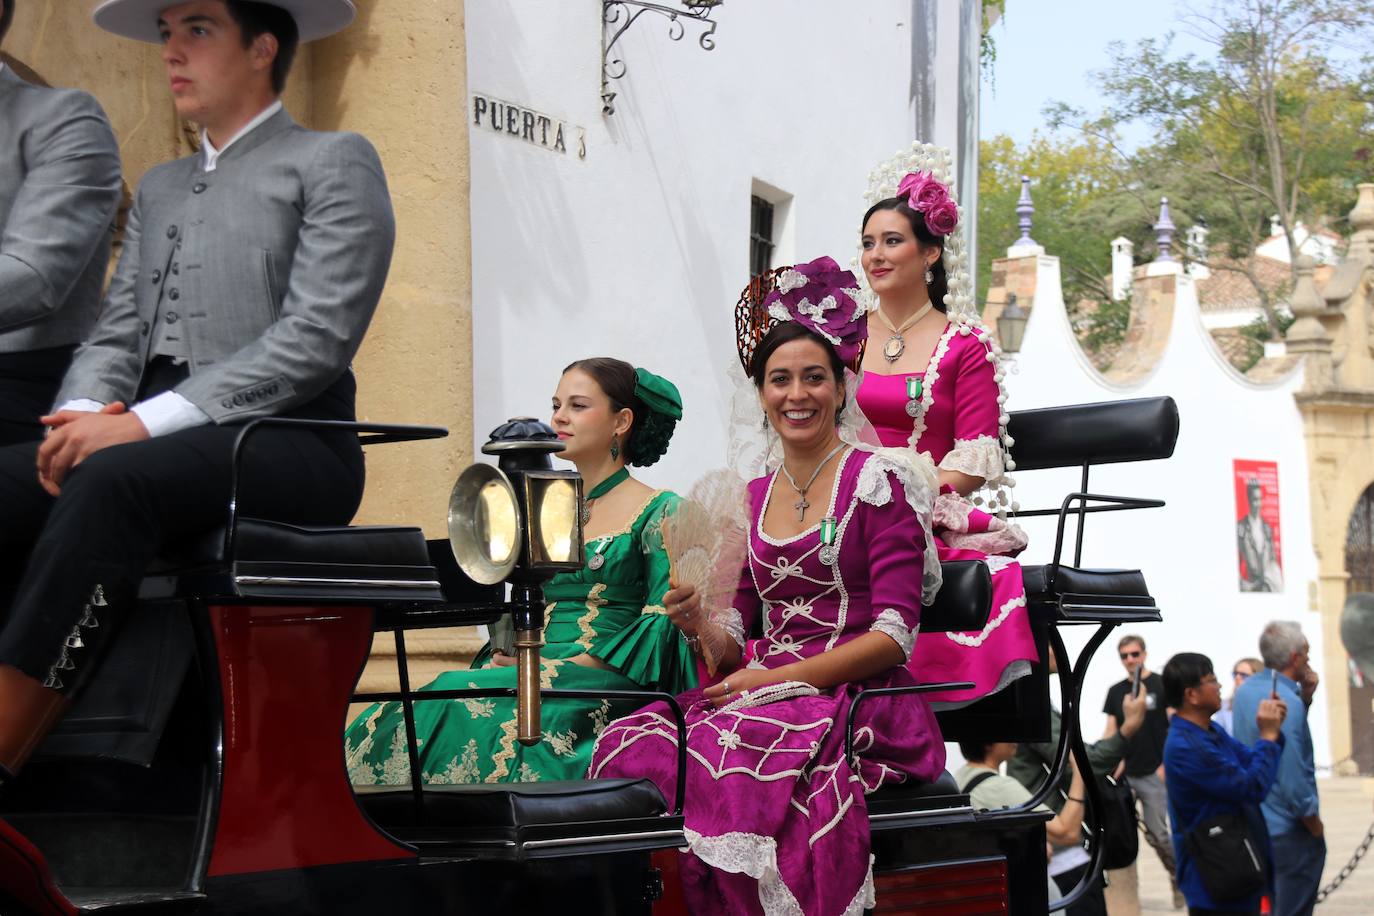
x,y
59,190
249,275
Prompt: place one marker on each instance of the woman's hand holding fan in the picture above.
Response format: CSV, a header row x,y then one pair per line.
x,y
706,539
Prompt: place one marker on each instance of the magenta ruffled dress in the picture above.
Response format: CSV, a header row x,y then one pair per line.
x,y
775,815
957,425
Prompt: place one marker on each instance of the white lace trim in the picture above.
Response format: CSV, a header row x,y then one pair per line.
x,y
748,854
973,642
919,481
932,375
732,622
981,457
829,512
789,280
890,622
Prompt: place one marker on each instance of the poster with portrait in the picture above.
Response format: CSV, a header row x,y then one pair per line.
x,y
1259,542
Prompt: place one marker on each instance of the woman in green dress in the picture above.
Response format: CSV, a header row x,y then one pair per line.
x,y
605,627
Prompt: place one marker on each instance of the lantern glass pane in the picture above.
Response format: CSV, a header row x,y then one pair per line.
x,y
555,534
496,522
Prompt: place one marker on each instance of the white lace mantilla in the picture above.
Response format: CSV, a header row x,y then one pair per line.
x,y
890,622
981,457
917,475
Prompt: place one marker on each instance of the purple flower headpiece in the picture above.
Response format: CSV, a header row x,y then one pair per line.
x,y
931,199
825,298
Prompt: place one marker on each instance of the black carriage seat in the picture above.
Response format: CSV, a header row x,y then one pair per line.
x,y
529,820
900,804
278,561
1091,595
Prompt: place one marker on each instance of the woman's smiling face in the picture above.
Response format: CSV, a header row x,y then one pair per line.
x,y
893,258
801,395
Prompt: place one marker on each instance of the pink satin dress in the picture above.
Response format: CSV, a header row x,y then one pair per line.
x,y
957,424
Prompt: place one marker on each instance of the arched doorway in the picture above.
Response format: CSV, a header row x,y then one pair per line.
x,y
1359,564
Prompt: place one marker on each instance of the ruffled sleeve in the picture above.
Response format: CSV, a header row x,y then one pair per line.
x,y
897,539
651,651
977,449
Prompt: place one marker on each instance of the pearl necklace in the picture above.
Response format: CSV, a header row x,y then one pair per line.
x,y
896,344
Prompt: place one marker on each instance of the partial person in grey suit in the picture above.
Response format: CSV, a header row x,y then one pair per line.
x,y
59,189
249,275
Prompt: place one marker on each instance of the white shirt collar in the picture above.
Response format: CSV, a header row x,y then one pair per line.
x,y
212,155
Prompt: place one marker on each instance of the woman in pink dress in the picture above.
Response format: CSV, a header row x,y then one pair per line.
x,y
931,383
775,812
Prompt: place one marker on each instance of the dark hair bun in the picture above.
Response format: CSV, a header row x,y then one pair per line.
x,y
649,441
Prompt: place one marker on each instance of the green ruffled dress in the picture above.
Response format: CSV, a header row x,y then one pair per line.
x,y
614,613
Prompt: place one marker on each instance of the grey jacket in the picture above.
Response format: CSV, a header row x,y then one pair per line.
x,y
59,190
275,261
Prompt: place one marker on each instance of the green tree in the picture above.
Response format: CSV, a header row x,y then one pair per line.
x,y
1084,198
1274,122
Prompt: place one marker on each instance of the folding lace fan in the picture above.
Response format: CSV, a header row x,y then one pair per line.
x,y
706,539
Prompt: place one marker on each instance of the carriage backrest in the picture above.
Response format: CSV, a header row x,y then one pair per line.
x,y
1107,432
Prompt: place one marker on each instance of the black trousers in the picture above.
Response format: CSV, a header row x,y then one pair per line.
x,y
1094,903
28,384
70,566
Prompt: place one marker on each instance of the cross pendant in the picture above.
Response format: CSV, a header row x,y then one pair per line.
x,y
801,505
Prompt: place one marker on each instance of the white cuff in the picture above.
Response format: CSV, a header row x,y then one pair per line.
x,y
891,623
169,413
84,405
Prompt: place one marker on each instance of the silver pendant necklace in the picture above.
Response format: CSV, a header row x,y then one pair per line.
x,y
801,505
896,344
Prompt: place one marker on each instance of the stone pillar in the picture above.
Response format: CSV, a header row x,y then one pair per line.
x,y
399,77
416,365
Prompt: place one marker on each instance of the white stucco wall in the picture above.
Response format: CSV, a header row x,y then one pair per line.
x,y
1187,550
640,250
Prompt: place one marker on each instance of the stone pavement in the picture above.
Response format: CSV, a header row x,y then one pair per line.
x,y
1347,810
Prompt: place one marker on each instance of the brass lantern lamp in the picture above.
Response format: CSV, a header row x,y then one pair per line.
x,y
520,522
1011,325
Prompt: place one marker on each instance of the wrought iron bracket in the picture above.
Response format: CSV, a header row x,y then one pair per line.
x,y
618,15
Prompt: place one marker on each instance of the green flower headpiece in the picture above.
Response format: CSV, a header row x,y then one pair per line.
x,y
654,431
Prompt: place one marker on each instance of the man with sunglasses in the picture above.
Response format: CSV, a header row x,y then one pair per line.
x,y
1144,761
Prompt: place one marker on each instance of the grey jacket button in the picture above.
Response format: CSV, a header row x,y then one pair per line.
x,y
174,294
157,276
199,188
173,317
238,400
171,232
227,404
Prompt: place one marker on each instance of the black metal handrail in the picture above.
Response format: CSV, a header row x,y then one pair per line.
x,y
368,434
887,692
407,697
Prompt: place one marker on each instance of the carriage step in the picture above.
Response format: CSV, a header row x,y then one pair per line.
x,y
150,900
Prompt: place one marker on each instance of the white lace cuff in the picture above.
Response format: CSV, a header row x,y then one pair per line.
x,y
731,622
891,623
981,457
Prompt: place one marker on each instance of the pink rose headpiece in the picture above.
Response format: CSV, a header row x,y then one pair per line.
x,y
931,199
820,295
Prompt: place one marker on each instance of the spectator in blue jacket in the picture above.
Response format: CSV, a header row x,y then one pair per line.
x,y
1292,809
1211,773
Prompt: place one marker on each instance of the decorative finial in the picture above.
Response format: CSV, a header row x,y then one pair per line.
x,y
1025,209
1164,232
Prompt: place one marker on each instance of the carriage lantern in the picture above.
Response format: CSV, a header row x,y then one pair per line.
x,y
521,522
1011,325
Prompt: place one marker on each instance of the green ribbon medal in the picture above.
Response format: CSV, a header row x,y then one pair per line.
x,y
829,552
914,387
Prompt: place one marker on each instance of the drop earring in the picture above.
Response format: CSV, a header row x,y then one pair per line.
x,y
615,446
930,276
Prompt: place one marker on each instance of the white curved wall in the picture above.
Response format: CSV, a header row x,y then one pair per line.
x,y
1187,550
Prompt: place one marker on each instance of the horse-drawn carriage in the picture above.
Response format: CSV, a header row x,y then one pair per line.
x,y
203,771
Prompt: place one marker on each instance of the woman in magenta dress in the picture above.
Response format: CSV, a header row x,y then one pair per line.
x,y
775,813
931,383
